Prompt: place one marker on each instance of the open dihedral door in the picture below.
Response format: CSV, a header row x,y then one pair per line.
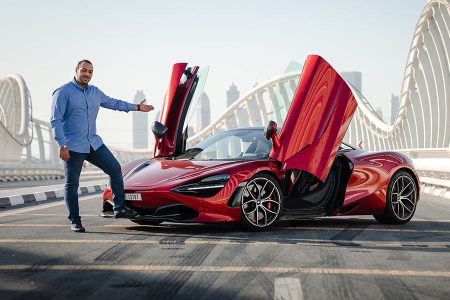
x,y
317,120
168,131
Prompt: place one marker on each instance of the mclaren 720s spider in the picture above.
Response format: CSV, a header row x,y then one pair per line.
x,y
257,176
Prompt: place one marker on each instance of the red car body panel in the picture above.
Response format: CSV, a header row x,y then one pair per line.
x,y
367,188
157,191
365,194
317,120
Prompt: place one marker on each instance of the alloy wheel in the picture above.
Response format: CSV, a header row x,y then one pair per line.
x,y
261,202
404,197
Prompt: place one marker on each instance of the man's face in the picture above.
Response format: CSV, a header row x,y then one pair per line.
x,y
84,73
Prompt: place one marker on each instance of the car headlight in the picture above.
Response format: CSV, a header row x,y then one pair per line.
x,y
206,187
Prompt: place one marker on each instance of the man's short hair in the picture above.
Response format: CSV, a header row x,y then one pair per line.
x,y
83,61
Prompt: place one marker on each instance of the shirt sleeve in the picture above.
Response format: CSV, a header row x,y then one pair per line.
x,y
115,104
59,106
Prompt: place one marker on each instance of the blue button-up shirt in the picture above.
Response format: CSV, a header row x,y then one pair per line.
x,y
74,114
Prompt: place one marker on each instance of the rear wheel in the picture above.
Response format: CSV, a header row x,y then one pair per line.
x,y
401,200
260,202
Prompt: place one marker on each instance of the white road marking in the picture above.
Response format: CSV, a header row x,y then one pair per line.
x,y
16,200
339,228
40,196
194,241
288,288
166,268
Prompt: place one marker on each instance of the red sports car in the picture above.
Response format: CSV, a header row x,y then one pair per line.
x,y
257,176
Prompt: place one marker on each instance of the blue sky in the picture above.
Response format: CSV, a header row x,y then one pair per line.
x,y
133,45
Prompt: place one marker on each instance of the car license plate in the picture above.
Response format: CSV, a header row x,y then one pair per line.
x,y
133,197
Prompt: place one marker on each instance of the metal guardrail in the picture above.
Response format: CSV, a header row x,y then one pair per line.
x,y
40,161
28,171
433,167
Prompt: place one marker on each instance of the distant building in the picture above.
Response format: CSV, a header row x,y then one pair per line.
x,y
203,113
293,66
157,115
232,94
379,112
191,131
140,125
394,107
354,78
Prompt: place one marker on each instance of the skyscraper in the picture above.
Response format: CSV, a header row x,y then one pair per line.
x,y
354,78
203,113
394,107
232,94
379,112
140,125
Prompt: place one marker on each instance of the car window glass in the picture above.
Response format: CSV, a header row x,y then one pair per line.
x,y
202,75
234,144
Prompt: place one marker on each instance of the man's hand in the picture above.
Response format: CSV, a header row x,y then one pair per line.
x,y
144,107
64,153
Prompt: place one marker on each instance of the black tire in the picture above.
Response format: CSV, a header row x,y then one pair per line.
x,y
146,222
261,203
401,199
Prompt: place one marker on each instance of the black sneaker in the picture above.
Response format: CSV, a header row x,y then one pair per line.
x,y
125,213
77,228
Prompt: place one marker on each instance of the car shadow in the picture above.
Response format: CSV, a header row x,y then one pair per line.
x,y
331,232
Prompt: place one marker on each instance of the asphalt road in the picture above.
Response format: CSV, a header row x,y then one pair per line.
x,y
334,258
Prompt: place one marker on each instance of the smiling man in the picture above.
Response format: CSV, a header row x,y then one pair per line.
x,y
74,112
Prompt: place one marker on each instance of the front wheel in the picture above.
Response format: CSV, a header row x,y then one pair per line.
x,y
260,202
401,199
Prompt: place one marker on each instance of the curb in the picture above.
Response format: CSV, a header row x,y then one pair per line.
x,y
49,195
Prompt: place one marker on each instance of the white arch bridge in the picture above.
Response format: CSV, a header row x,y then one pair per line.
x,y
421,129
422,126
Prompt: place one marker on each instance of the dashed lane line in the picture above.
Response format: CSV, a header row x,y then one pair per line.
x,y
287,288
237,269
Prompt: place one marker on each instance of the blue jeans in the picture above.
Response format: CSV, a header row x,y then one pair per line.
x,y
105,160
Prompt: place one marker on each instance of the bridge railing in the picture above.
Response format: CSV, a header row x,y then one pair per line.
x,y
40,158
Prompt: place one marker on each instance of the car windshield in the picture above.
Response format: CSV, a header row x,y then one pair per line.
x,y
245,144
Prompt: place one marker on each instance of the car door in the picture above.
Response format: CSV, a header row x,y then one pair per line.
x,y
169,129
320,112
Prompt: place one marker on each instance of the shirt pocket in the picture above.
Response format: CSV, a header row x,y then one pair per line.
x,y
78,108
93,106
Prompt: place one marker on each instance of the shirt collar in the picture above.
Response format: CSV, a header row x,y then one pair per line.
x,y
78,86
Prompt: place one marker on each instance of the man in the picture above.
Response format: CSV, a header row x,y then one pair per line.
x,y
74,112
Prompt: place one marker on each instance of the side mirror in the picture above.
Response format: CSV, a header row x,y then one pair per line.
x,y
270,133
158,129
270,130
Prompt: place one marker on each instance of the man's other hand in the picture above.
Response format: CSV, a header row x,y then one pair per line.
x,y
144,107
64,154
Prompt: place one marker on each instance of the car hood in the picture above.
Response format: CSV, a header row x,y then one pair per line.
x,y
161,172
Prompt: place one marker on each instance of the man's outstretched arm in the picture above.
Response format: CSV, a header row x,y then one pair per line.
x,y
115,104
